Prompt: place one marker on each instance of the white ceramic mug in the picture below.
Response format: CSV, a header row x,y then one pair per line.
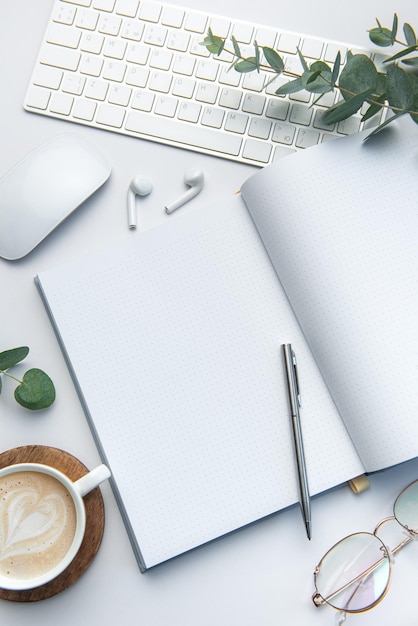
x,y
42,522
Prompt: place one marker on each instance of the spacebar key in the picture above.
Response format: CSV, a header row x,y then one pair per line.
x,y
194,136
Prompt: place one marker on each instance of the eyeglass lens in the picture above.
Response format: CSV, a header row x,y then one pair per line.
x,y
355,573
406,507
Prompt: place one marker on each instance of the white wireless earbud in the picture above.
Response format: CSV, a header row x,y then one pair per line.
x,y
193,179
140,186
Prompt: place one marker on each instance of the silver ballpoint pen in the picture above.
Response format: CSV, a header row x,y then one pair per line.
x,y
295,403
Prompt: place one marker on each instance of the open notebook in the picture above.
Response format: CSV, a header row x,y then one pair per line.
x,y
173,340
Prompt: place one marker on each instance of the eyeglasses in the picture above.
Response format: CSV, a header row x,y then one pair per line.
x,y
355,574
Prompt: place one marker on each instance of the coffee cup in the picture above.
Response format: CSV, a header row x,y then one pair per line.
x,y
42,522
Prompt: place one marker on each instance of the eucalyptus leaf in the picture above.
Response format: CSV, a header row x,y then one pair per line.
x,y
303,61
291,87
9,358
394,27
412,62
374,108
273,59
381,37
36,391
400,90
410,36
237,49
359,75
346,108
245,66
336,69
402,53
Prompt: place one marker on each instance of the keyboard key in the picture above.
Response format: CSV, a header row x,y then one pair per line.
x,y
91,65
48,77
115,48
92,42
230,98
283,133
172,16
61,103
257,150
87,19
243,33
64,14
155,35
206,92
166,106
196,22
212,117
132,30
189,111
110,25
160,81
81,3
236,122
84,110
63,36
183,87
96,89
119,94
143,101
38,98
137,76
288,42
254,103
149,11
128,8
57,56
277,109
181,133
306,138
260,128
300,114
312,48
73,83
110,116
280,152
137,53
104,5
178,40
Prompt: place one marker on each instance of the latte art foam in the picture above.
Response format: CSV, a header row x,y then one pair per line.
x,y
37,524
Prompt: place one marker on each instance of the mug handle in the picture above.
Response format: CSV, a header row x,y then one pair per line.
x,y
89,481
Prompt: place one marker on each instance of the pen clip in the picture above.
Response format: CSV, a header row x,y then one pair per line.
x,y
295,369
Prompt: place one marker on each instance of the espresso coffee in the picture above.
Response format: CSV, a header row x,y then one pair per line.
x,y
37,524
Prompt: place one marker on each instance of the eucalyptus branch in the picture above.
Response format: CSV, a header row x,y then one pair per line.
x,y
359,81
36,390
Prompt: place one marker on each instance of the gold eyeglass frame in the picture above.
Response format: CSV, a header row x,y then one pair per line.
x,y
319,600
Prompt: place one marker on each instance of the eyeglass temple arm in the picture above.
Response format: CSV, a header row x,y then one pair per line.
x,y
318,600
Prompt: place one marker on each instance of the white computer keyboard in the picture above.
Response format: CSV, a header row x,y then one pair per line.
x,y
139,68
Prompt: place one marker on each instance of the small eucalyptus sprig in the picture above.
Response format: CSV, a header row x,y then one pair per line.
x,y
36,390
360,82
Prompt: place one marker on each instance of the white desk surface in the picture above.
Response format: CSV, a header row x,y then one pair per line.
x,y
261,575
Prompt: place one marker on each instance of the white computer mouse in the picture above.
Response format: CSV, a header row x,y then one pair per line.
x,y
42,189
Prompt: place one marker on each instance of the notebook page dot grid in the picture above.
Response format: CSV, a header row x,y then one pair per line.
x,y
175,343
355,255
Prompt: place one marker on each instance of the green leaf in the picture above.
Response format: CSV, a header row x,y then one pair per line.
x,y
336,69
412,62
400,91
247,65
346,108
411,38
394,27
273,59
237,49
291,87
9,358
317,81
381,36
374,108
359,75
214,44
303,60
401,54
36,391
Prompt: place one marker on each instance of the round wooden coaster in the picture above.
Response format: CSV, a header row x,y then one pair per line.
x,y
93,501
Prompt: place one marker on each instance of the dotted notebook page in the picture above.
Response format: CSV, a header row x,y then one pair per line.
x,y
340,223
174,344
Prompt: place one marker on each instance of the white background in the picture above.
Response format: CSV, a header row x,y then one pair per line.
x,y
261,575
